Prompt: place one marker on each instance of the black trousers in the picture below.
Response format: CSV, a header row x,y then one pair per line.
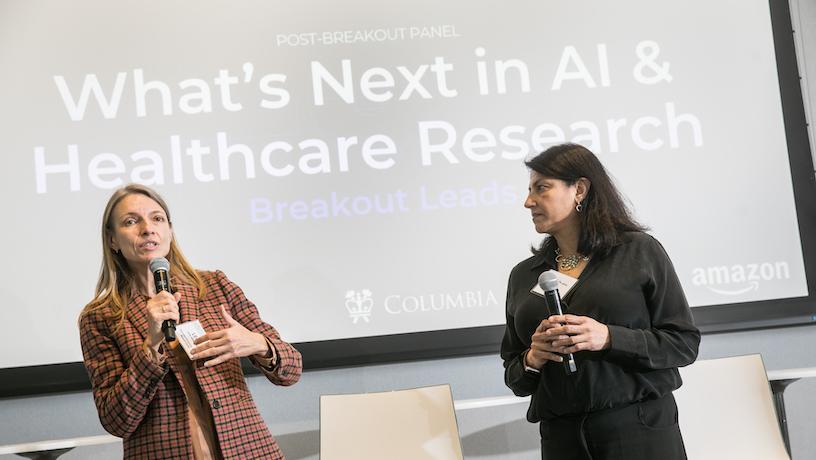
x,y
645,430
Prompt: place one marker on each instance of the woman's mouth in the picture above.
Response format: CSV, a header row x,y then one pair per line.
x,y
149,245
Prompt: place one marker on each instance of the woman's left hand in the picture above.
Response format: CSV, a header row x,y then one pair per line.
x,y
585,334
235,341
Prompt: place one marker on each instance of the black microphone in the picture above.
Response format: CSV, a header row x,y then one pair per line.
x,y
548,281
160,268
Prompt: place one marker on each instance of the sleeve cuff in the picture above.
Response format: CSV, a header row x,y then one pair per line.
x,y
270,361
625,342
526,367
155,357
523,359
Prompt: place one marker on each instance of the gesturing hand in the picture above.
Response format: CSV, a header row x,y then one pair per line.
x,y
235,341
582,333
542,346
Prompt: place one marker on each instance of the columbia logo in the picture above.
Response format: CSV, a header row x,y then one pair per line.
x,y
359,305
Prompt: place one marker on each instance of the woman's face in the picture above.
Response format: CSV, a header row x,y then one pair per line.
x,y
141,230
552,203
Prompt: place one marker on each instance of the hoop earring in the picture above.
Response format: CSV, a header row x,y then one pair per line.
x,y
579,207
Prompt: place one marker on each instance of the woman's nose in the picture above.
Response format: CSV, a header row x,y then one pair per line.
x,y
529,203
147,227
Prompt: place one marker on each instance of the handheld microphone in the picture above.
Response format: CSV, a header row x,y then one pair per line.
x,y
548,281
160,268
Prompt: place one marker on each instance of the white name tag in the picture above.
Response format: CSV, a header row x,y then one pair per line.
x,y
565,283
186,333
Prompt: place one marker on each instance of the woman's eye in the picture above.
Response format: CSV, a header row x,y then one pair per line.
x,y
130,221
159,218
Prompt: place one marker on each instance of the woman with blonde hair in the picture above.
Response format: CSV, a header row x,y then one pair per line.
x,y
160,401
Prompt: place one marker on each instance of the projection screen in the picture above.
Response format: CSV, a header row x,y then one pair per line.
x,y
357,166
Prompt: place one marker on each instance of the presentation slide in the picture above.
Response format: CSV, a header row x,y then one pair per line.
x,y
357,167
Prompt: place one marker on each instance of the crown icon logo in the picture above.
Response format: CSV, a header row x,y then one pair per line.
x,y
359,305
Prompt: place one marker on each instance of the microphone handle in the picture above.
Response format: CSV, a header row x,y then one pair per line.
x,y
162,281
553,299
169,329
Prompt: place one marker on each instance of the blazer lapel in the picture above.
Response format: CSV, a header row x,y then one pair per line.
x,y
188,305
137,313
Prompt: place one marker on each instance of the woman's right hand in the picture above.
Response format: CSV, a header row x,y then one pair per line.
x,y
161,307
542,348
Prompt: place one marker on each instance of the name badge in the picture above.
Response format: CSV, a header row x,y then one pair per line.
x,y
187,333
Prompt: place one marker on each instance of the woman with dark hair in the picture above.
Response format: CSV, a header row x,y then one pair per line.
x,y
626,320
148,391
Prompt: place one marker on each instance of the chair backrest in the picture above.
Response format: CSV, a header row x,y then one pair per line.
x,y
411,424
726,411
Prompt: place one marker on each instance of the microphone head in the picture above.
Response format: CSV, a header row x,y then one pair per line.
x,y
159,263
548,281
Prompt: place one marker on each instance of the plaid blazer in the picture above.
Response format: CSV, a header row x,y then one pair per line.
x,y
143,402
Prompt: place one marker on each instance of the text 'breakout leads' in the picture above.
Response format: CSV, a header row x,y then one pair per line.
x,y
335,205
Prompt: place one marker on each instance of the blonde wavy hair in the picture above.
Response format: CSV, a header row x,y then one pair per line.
x,y
115,277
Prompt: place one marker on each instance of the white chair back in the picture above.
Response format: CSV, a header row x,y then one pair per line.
x,y
726,411
411,424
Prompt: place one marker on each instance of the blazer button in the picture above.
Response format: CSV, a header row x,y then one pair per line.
x,y
216,404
